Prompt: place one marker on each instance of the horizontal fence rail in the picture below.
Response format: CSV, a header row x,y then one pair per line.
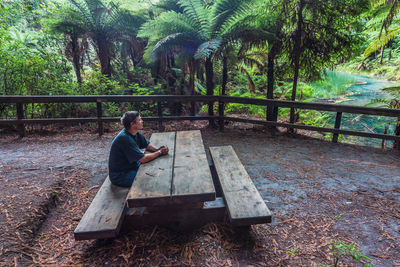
x,y
272,106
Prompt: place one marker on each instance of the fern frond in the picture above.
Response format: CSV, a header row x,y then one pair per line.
x,y
227,12
127,21
83,11
392,13
377,3
169,5
167,23
207,48
393,90
378,103
197,12
381,41
378,16
182,43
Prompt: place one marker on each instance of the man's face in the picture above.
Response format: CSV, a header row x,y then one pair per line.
x,y
137,124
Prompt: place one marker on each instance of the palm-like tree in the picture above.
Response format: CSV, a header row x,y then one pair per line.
x,y
102,23
384,12
73,33
199,32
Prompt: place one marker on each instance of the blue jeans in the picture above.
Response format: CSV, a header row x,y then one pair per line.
x,y
124,179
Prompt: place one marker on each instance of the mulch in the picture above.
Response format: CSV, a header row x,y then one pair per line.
x,y
46,184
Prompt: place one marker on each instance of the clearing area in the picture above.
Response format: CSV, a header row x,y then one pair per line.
x,y
319,193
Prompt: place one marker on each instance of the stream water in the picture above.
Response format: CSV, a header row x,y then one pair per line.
x,y
362,92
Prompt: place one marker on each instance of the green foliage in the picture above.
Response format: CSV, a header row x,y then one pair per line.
x,y
26,71
98,84
340,249
339,217
247,109
292,251
382,40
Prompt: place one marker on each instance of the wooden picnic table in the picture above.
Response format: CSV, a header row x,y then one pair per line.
x,y
181,177
177,191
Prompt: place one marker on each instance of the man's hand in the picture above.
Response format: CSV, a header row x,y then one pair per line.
x,y
164,150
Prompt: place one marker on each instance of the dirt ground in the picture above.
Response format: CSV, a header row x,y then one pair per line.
x,y
319,193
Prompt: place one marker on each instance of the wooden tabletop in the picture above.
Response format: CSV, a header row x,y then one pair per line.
x,y
182,176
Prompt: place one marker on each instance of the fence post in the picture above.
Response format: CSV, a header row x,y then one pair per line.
x,y
221,115
211,113
99,117
20,116
337,126
159,112
274,118
272,115
192,108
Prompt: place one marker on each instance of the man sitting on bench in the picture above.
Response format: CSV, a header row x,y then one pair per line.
x,y
125,154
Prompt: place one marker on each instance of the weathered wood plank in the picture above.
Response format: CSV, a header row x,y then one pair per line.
x,y
176,219
192,180
315,128
104,216
152,185
244,203
105,98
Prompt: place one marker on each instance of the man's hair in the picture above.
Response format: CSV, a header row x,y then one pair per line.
x,y
129,117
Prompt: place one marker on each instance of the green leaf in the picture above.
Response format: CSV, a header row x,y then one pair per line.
x,y
382,40
207,48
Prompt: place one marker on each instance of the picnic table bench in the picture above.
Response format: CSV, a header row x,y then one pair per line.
x,y
177,191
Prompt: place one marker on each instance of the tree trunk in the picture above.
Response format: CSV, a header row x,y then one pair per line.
x,y
296,53
382,49
390,50
136,51
224,75
104,56
76,57
276,47
210,87
191,86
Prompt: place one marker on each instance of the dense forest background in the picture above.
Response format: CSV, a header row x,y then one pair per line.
x,y
278,49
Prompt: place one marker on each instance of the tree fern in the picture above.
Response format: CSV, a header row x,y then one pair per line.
x,y
381,41
394,10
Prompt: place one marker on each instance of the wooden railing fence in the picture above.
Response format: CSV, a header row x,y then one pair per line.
x,y
272,105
